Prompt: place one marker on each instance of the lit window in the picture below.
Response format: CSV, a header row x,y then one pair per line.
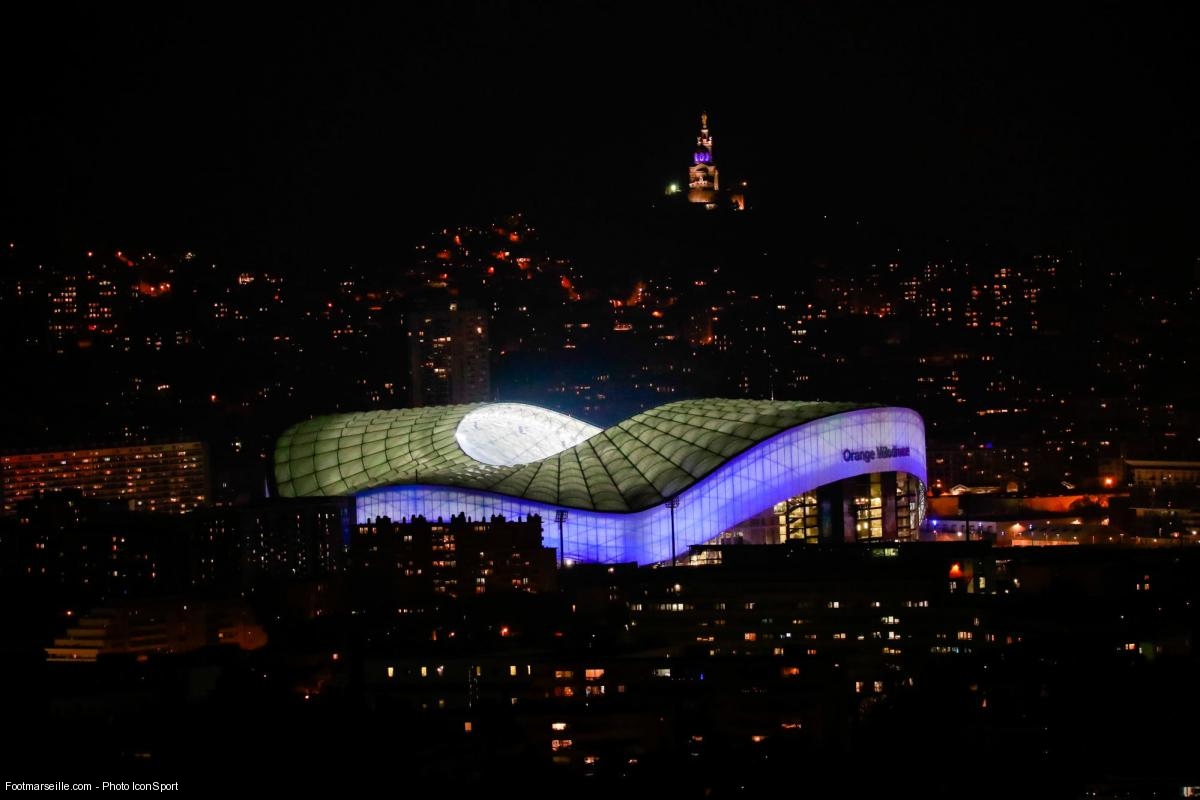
x,y
593,674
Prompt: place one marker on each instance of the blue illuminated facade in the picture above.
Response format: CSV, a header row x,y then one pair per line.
x,y
790,463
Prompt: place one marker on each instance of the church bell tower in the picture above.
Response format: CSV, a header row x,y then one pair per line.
x,y
702,176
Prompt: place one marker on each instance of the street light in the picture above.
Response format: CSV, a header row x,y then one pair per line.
x,y
673,504
560,516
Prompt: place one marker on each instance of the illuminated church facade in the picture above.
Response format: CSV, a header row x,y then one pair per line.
x,y
702,176
704,186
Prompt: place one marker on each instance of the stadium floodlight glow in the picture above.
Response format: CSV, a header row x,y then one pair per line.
x,y
508,434
696,466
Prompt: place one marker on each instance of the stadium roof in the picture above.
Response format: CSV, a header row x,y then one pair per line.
x,y
531,453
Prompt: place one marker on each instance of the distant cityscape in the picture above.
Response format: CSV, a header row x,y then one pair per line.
x,y
696,520
1040,368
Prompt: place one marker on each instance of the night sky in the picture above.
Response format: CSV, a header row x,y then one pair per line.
x,y
299,139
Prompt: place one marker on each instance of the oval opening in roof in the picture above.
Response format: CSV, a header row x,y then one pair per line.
x,y
511,434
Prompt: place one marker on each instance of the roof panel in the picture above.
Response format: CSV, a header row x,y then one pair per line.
x,y
633,465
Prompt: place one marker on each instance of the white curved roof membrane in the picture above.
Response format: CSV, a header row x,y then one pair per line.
x,y
639,490
635,464
798,459
511,434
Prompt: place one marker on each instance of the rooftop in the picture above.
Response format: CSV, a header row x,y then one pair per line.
x,y
633,465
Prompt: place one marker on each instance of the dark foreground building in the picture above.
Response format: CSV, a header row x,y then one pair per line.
x,y
459,557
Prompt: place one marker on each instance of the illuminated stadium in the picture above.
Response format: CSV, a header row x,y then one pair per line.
x,y
693,471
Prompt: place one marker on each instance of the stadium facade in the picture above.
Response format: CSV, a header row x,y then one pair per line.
x,y
687,472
